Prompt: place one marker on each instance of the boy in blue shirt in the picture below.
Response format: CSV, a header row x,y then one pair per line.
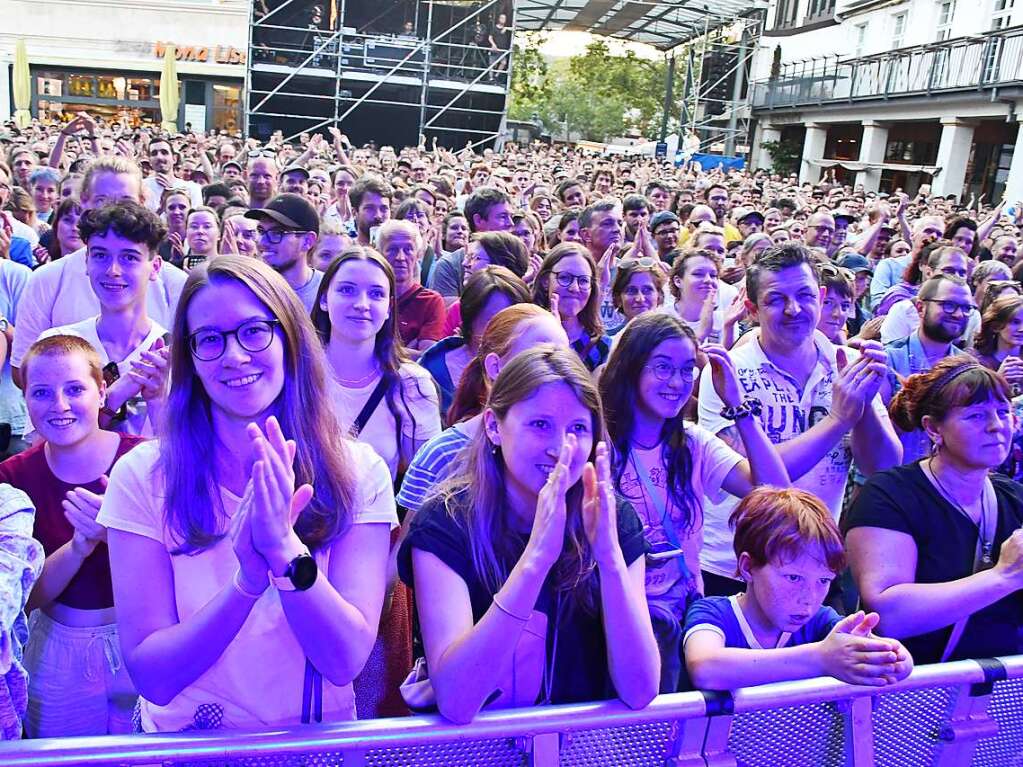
x,y
789,551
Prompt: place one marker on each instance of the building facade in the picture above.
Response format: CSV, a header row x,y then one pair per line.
x,y
895,93
105,56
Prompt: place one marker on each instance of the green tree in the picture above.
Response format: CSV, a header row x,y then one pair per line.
x,y
530,88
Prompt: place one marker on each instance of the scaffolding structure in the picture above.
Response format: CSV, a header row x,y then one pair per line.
x,y
716,66
435,76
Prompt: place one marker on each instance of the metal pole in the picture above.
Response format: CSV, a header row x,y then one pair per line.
x,y
246,122
668,96
339,36
427,62
733,119
688,86
697,80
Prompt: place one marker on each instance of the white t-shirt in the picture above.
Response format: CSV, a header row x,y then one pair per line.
x,y
153,191
137,422
787,411
258,680
59,293
712,460
420,413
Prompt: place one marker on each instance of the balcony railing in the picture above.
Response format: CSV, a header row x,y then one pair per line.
x,y
947,715
967,63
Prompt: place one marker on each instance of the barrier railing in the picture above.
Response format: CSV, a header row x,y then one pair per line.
x,y
982,62
963,713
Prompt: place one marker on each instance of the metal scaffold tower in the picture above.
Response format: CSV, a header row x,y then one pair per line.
x,y
384,72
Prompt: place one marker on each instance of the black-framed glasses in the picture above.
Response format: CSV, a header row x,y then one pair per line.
x,y
664,371
253,335
951,307
662,232
274,236
566,280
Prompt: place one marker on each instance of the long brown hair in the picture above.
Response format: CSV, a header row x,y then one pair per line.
x,y
996,317
485,515
589,315
193,511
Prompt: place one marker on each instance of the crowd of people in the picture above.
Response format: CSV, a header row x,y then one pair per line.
x,y
309,432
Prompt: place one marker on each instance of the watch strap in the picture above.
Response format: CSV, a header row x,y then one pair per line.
x,y
284,582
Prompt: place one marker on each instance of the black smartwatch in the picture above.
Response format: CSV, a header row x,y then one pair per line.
x,y
299,575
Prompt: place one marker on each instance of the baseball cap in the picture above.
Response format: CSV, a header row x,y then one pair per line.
x,y
291,211
295,168
741,214
854,262
662,217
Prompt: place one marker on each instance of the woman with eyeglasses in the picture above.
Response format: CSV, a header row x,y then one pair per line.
x,y
638,287
664,466
262,532
416,211
567,285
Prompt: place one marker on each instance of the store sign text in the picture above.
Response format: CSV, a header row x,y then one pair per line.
x,y
221,54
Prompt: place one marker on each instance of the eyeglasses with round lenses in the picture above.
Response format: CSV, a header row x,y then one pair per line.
x,y
256,335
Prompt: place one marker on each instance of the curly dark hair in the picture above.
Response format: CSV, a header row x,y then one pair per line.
x,y
128,219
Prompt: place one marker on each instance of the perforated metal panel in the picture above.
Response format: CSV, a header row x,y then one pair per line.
x,y
906,726
1006,708
473,753
635,746
282,760
807,736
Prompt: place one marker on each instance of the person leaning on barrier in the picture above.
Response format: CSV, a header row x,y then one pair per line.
x,y
789,550
528,572
247,479
936,546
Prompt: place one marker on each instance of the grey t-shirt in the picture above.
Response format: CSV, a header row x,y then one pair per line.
x,y
307,293
446,278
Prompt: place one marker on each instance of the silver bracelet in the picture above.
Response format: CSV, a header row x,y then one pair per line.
x,y
508,612
241,589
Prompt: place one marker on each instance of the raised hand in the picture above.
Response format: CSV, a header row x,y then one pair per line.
x,y
547,537
705,325
535,262
724,375
153,371
600,511
276,503
81,508
555,300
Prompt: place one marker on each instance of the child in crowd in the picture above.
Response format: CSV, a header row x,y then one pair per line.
x,y
789,551
664,466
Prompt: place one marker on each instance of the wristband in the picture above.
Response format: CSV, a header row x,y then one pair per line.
x,y
748,407
236,582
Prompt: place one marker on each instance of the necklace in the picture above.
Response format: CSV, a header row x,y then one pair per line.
x,y
986,545
358,382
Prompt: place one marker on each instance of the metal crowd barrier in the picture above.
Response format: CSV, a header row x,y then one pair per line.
x,y
963,713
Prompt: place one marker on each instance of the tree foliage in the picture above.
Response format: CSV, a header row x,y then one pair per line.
x,y
595,95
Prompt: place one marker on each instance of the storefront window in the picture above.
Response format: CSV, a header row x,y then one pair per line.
x,y
226,107
82,85
50,84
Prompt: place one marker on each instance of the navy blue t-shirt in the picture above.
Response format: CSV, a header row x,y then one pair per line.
x,y
723,613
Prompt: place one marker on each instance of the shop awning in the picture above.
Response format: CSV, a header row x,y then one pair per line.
x,y
856,166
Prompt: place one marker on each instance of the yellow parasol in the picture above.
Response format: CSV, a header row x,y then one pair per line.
x,y
169,91
22,86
